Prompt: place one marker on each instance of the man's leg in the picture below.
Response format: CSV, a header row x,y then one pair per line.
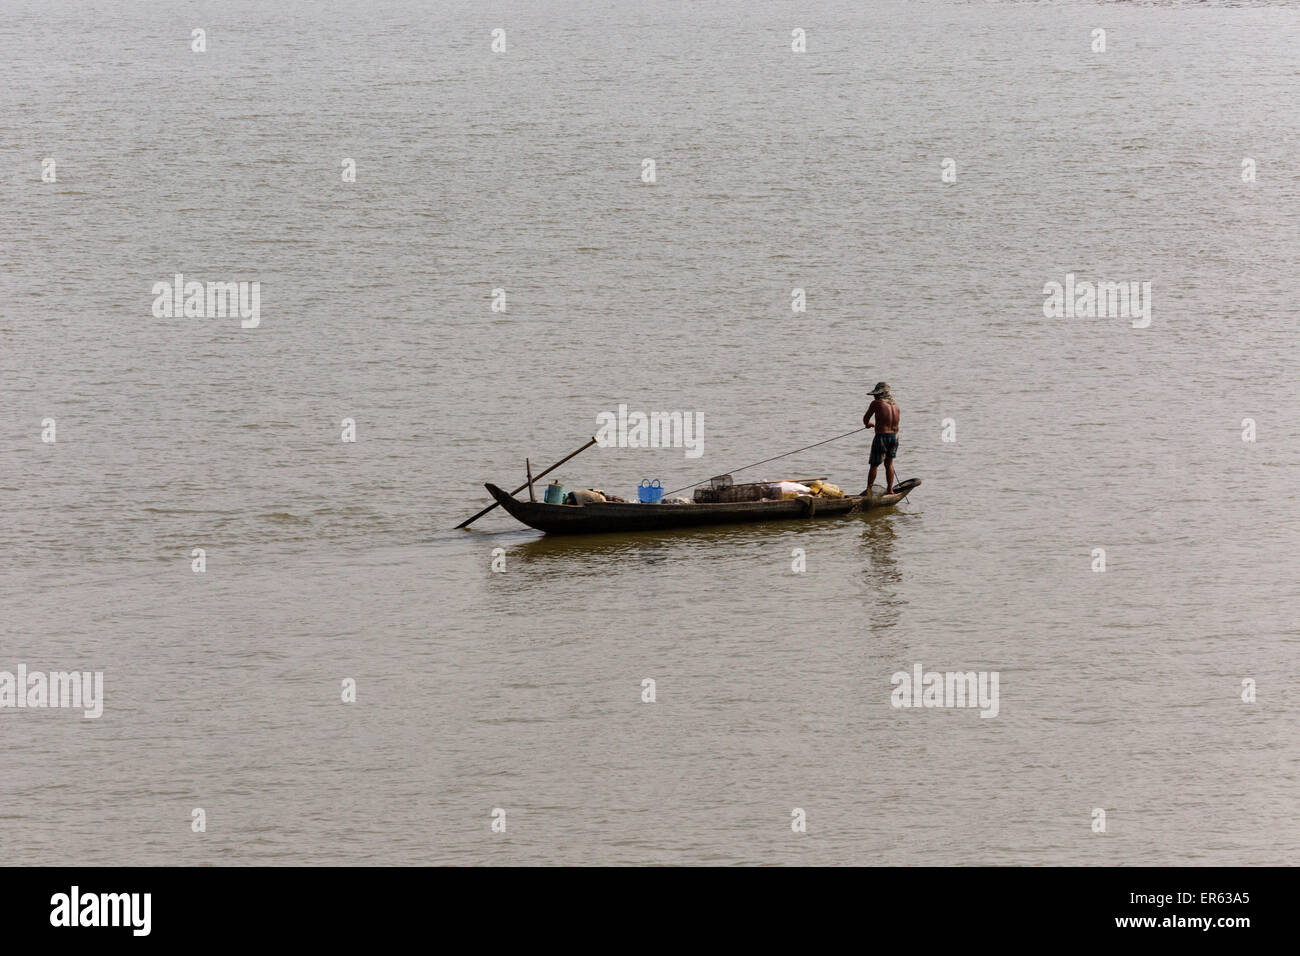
x,y
889,475
877,453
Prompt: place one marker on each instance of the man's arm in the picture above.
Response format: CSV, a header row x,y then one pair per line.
x,y
876,407
872,409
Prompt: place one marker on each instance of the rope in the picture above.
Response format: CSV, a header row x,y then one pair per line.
x,y
766,460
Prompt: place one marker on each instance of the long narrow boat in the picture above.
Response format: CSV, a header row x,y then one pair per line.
x,y
607,516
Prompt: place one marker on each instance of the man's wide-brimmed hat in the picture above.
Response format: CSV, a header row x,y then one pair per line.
x,y
882,388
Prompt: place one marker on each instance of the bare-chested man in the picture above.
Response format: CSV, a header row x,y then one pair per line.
x,y
885,445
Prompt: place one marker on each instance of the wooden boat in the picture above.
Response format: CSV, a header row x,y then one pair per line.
x,y
611,516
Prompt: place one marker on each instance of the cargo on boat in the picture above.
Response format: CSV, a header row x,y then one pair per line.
x,y
725,504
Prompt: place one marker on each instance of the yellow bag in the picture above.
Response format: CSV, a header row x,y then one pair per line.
x,y
825,489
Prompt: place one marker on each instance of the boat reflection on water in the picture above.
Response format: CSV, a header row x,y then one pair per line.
x,y
654,546
648,547
881,572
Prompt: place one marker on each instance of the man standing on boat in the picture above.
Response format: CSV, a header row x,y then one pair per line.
x,y
885,445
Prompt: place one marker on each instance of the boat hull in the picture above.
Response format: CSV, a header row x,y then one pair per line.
x,y
610,516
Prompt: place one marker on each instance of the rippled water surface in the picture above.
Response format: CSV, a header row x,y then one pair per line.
x,y
522,690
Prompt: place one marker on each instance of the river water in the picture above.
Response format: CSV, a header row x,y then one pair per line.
x,y
329,561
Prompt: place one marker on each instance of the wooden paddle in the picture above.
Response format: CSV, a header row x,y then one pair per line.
x,y
469,521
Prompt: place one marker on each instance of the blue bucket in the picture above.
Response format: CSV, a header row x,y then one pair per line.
x,y
649,493
555,493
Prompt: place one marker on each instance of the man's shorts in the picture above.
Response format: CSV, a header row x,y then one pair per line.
x,y
882,447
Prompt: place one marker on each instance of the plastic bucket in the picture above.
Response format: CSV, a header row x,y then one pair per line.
x,y
555,493
649,492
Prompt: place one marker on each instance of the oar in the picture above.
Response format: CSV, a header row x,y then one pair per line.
x,y
540,474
